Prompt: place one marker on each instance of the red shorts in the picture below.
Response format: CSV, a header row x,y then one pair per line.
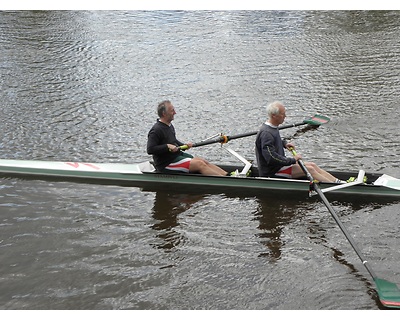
x,y
285,172
181,164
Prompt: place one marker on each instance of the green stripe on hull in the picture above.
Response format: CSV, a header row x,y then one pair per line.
x,y
132,175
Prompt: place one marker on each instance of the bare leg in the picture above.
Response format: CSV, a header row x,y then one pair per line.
x,y
206,168
317,173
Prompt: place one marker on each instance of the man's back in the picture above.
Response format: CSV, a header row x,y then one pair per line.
x,y
270,151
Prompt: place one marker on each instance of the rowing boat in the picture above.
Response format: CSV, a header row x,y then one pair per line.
x,y
144,175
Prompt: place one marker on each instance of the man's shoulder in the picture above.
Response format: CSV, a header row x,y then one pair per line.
x,y
159,125
265,128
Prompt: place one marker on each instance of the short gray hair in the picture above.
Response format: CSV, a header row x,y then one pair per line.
x,y
162,107
273,108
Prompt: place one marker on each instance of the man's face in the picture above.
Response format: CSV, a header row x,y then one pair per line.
x,y
282,114
169,112
280,117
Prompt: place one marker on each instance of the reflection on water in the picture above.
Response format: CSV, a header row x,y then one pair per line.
x,y
273,217
166,208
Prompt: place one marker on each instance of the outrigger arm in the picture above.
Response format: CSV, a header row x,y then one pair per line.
x,y
247,164
359,180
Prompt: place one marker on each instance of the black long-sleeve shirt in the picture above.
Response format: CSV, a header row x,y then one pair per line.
x,y
158,137
270,151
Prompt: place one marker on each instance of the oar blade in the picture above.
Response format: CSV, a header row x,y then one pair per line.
x,y
317,120
388,292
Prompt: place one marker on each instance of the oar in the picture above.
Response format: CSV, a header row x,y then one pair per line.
x,y
315,121
388,292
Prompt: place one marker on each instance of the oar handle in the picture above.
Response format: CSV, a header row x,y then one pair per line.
x,y
302,165
299,161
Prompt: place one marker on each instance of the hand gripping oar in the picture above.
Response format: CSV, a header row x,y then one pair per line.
x,y
315,121
388,292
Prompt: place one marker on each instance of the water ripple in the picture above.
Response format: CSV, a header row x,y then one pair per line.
x,y
83,86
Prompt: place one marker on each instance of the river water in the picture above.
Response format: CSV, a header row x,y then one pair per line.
x,y
84,85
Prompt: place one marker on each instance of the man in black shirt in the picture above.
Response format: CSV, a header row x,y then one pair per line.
x,y
164,146
270,153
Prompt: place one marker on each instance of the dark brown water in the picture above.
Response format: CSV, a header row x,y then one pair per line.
x,y
83,86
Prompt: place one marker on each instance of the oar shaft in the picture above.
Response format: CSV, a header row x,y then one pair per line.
x,y
225,139
344,230
334,215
